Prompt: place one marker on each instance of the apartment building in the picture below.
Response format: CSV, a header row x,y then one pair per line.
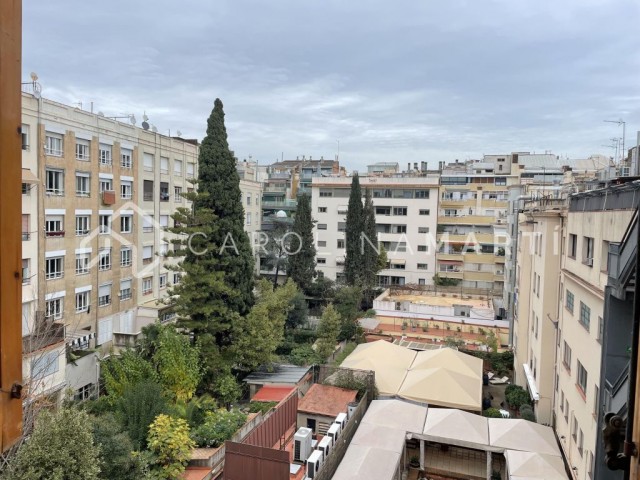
x,y
251,193
406,207
558,329
97,195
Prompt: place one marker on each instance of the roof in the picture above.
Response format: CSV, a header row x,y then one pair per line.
x,y
366,462
456,427
326,400
271,393
283,374
518,434
369,323
442,377
196,473
534,466
397,414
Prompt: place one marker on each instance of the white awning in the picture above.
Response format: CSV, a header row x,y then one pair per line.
x,y
78,338
531,383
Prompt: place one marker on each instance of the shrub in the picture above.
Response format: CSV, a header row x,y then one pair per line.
x,y
492,413
138,407
526,413
218,427
197,408
261,407
517,397
304,355
170,443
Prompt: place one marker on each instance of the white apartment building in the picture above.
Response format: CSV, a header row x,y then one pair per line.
x,y
561,275
251,194
406,218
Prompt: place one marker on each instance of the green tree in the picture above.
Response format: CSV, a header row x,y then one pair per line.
x,y
322,289
347,302
226,389
137,408
491,341
259,334
354,263
298,311
517,397
178,364
492,413
372,255
328,331
171,444
302,262
124,371
277,248
219,180
116,450
218,426
61,447
304,355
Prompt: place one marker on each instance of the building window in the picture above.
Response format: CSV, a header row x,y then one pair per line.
x,y
424,211
148,191
596,402
342,226
566,410
125,289
44,365
569,301
177,167
24,131
248,199
322,226
580,442
148,162
53,144
125,256
84,393
82,263
190,170
83,224
322,209
340,243
604,259
54,181
588,251
163,249
422,194
562,400
321,261
248,218
164,191
83,184
104,152
423,248
82,301
147,254
104,259
177,277
322,243
54,308
400,211
147,285
54,225
582,377
26,234
125,158
26,189
585,316
600,329
164,165
423,266
106,185
177,194
573,245
326,193
162,281
54,268
147,223
126,224
566,357
104,295
82,150
105,224
126,189
423,229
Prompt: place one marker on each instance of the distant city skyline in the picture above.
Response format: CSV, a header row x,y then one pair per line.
x,y
402,82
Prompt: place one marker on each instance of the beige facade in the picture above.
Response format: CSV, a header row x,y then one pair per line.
x,y
251,194
561,275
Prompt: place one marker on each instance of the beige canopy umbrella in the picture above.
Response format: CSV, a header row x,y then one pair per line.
x,y
456,427
534,466
389,362
367,463
518,434
398,414
443,387
449,358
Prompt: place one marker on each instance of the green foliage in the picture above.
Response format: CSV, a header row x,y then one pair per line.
x,y
346,351
453,342
147,344
276,249
304,355
347,303
116,450
491,341
259,334
219,425
517,396
178,363
328,331
226,389
124,371
444,281
372,255
350,380
371,313
354,262
137,408
302,263
492,413
169,441
61,447
197,408
261,407
298,312
526,413
322,289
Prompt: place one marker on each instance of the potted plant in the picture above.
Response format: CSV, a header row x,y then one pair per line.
x,y
448,327
404,325
414,461
459,329
425,327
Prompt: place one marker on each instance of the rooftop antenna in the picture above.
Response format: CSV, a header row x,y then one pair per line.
x,y
131,117
145,121
154,129
624,129
179,133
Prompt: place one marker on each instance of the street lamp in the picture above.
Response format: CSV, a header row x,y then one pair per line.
x,y
624,129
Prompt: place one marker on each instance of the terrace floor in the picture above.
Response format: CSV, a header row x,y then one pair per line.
x,y
456,463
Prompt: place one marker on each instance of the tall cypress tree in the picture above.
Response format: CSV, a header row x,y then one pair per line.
x,y
369,243
353,265
302,261
219,183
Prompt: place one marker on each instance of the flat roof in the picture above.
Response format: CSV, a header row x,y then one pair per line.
x,y
270,393
441,301
326,400
286,374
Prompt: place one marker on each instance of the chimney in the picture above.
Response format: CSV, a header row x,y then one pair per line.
x,y
408,166
415,165
309,157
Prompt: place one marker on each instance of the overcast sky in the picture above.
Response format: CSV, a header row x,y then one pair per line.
x,y
419,80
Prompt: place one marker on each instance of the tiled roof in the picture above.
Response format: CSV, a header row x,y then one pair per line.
x,y
271,394
326,400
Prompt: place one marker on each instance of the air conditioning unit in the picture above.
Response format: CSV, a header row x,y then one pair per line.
x,y
324,446
351,409
589,262
302,444
313,464
341,420
334,433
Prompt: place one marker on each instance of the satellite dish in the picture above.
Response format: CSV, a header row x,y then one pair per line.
x,y
100,114
179,133
34,77
145,118
154,129
145,125
281,214
132,119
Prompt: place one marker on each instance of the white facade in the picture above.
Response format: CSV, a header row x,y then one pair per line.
x,y
406,217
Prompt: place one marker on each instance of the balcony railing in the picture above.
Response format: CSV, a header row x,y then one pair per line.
x,y
59,233
148,196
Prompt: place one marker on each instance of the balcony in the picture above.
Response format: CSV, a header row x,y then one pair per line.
x,y
147,196
108,197
54,234
479,276
457,275
280,204
470,238
462,202
466,220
